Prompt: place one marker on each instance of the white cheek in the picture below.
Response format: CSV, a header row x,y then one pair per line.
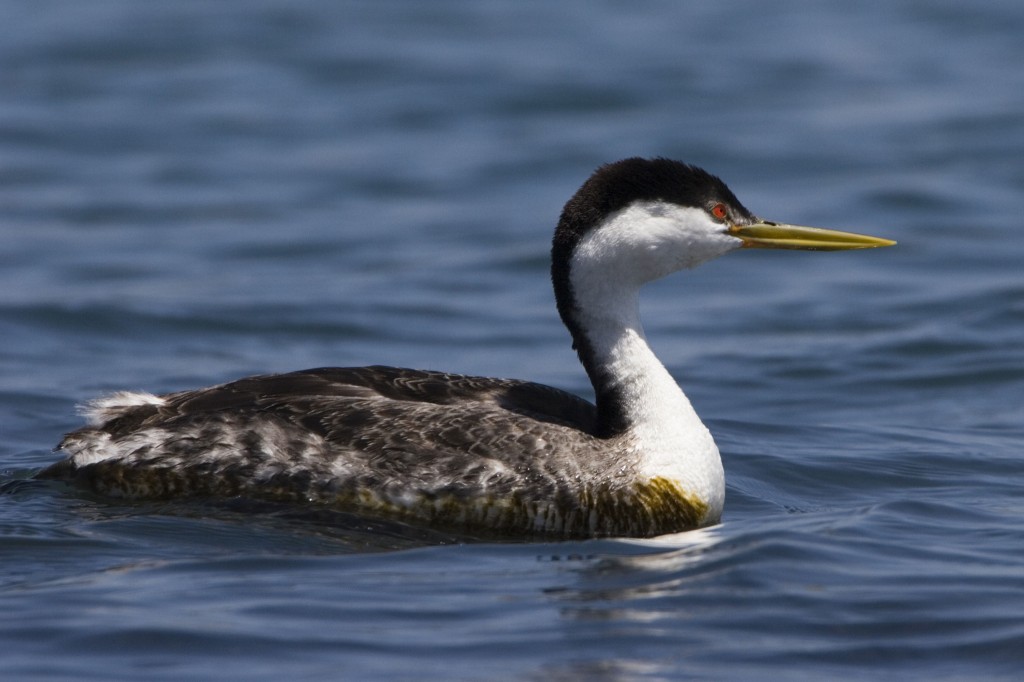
x,y
648,240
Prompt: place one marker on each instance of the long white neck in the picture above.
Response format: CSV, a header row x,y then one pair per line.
x,y
660,423
634,390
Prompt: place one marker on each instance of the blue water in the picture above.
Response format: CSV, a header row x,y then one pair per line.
x,y
195,191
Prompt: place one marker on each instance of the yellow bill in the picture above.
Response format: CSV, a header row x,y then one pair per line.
x,y
768,235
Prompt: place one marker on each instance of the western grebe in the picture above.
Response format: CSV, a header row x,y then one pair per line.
x,y
465,453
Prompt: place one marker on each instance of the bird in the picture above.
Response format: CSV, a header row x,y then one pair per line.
x,y
481,456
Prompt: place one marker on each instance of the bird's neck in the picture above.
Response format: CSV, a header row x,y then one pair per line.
x,y
634,391
597,279
638,401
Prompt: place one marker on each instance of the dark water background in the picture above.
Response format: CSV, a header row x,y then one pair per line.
x,y
195,191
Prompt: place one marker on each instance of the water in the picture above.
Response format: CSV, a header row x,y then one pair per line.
x,y
191,192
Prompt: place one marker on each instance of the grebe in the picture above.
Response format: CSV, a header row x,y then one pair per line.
x,y
473,454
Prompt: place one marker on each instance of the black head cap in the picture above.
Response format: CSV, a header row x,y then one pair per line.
x,y
615,186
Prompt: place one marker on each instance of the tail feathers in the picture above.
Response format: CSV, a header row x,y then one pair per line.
x,y
102,410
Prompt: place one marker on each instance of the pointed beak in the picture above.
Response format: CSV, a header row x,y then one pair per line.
x,y
768,235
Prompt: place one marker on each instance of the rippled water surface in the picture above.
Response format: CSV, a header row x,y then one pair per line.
x,y
191,192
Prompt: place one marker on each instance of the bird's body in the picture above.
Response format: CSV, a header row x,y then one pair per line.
x,y
486,455
474,454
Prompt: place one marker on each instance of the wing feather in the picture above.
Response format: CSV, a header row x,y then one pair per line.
x,y
358,427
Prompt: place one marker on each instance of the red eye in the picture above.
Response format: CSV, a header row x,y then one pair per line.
x,y
719,211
